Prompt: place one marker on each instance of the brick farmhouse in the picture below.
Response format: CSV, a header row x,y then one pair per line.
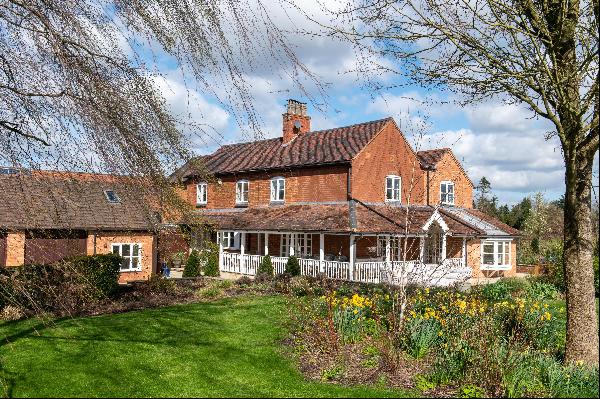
x,y
354,202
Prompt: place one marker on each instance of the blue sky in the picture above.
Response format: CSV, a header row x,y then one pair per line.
x,y
503,142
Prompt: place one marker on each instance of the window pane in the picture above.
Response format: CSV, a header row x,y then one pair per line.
x,y
488,248
126,250
443,188
451,198
450,188
444,197
136,250
134,263
125,264
488,259
115,249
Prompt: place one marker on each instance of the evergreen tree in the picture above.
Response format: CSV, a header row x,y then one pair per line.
x,y
293,267
192,266
266,267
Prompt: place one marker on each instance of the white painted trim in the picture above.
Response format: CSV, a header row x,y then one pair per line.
x,y
453,192
271,197
436,217
395,201
241,202
483,266
198,200
266,243
120,244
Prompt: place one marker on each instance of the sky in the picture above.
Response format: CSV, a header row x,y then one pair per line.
x,y
503,142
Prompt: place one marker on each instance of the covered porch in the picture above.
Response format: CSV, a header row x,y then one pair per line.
x,y
432,257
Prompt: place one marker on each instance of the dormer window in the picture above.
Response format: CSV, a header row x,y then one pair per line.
x,y
392,188
277,189
241,192
112,197
201,193
447,193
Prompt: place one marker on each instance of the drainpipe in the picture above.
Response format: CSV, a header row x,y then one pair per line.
x,y
427,187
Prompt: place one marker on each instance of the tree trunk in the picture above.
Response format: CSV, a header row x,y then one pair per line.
x,y
582,319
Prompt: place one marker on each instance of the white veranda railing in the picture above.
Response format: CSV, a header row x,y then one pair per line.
x,y
397,272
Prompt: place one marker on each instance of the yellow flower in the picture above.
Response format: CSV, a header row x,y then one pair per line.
x,y
440,333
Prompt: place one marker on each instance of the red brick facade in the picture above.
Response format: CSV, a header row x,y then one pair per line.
x,y
387,154
449,169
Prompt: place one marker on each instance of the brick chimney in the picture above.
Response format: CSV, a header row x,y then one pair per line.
x,y
295,120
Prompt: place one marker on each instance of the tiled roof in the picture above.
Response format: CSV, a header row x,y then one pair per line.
x,y
430,158
55,200
338,145
371,219
490,225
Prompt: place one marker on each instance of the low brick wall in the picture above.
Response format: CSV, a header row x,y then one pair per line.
x,y
532,270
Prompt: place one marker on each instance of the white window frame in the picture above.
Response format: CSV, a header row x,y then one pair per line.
x,y
239,192
130,256
302,244
506,255
277,184
396,192
394,247
446,184
230,239
202,193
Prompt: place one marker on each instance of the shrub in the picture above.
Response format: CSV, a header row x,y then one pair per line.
x,y
504,289
209,258
192,265
266,267
161,285
99,271
243,281
542,291
496,292
66,287
293,267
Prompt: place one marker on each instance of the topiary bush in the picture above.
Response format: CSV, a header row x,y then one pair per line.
x,y
266,267
209,258
293,267
192,266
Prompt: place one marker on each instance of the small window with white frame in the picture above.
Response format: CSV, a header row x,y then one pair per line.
x,y
241,192
495,254
201,193
392,188
447,193
131,254
228,238
277,189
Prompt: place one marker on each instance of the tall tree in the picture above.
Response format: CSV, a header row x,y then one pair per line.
x,y
484,200
540,53
76,78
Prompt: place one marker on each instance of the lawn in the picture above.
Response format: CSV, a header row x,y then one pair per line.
x,y
225,348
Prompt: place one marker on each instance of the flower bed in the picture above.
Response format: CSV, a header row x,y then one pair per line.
x,y
444,342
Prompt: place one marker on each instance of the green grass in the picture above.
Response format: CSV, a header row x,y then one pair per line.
x,y
225,348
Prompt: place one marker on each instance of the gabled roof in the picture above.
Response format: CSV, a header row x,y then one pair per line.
x,y
332,146
430,158
77,201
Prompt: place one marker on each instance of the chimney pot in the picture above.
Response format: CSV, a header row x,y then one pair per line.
x,y
295,120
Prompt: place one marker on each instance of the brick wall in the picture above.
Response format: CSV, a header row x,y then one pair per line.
x,y
301,185
448,169
15,248
149,248
388,154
